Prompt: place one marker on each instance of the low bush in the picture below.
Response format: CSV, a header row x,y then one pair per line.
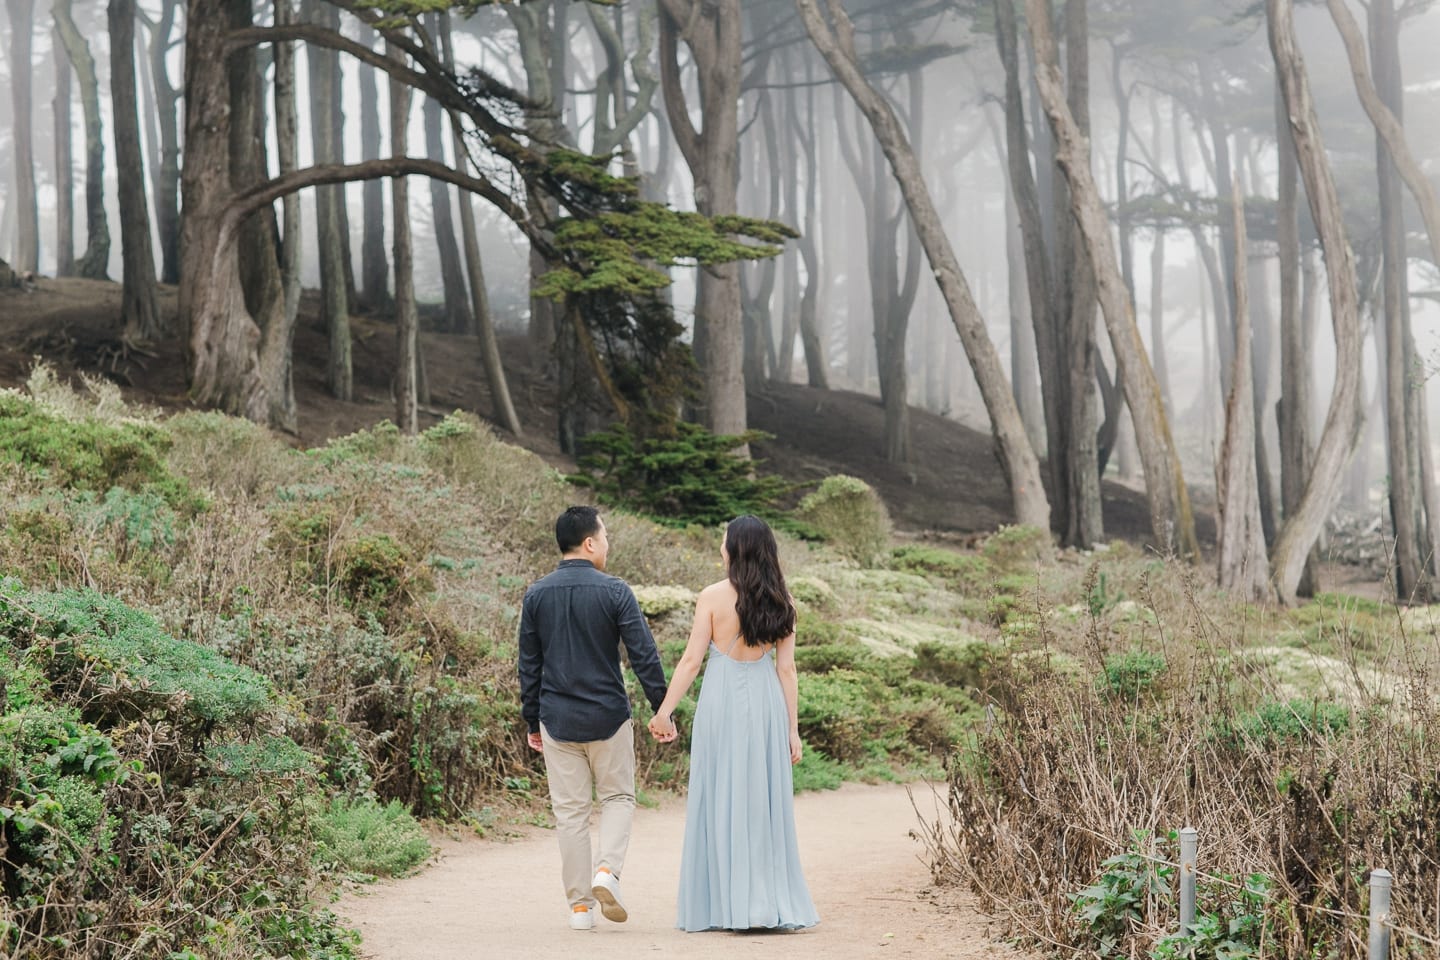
x,y
690,477
368,837
849,515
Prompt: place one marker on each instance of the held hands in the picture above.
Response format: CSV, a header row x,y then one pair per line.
x,y
662,728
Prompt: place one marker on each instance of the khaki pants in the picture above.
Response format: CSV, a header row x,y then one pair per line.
x,y
573,769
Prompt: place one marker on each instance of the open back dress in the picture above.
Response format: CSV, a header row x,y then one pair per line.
x,y
740,865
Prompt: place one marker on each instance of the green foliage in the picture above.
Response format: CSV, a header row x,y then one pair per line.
x,y
836,713
86,640
692,477
1110,909
953,665
1130,675
815,771
1016,549
962,568
366,836
824,657
850,515
1230,924
88,454
374,573
1297,721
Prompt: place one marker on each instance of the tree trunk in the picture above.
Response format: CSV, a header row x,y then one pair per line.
x,y
1411,581
22,27
374,266
1294,408
1303,527
1085,524
504,408
407,322
64,166
1024,193
95,264
139,314
836,44
532,26
276,352
713,32
259,259
1157,288
1240,545
816,365
1172,522
1024,373
458,318
167,173
337,146
335,307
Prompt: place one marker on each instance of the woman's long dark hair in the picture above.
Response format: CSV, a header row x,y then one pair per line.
x,y
767,614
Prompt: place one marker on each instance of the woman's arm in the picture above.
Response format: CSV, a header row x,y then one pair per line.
x,y
685,672
790,687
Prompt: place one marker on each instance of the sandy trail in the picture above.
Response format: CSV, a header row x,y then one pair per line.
x,y
485,899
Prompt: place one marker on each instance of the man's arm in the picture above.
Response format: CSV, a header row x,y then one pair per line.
x,y
532,660
639,644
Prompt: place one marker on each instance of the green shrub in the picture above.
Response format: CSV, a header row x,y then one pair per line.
x,y
366,836
373,573
84,639
1128,676
228,455
953,665
693,476
850,515
835,713
1273,723
961,568
1015,549
815,771
824,657
89,454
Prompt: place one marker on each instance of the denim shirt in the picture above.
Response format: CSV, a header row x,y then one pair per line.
x,y
572,625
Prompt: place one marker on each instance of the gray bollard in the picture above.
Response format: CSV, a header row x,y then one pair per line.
x,y
1380,881
1189,842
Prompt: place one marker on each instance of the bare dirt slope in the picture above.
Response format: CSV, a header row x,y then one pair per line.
x,y
500,900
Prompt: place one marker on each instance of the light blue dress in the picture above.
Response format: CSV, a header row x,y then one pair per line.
x,y
740,865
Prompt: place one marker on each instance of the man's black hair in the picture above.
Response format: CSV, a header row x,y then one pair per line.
x,y
574,525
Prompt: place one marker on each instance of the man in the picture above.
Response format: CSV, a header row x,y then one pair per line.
x,y
573,698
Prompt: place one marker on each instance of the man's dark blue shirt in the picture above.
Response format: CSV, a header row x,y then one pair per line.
x,y
572,624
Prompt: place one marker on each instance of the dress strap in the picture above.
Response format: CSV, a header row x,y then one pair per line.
x,y
731,648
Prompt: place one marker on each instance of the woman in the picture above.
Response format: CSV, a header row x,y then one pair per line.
x,y
740,865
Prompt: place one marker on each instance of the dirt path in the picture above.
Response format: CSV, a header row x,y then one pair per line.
x,y
485,899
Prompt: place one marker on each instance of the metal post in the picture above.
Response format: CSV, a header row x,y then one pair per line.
x,y
1189,842
1380,881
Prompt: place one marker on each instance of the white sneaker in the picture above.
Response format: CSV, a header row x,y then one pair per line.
x,y
606,889
581,918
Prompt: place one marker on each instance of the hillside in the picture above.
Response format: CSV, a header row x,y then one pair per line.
x,y
955,487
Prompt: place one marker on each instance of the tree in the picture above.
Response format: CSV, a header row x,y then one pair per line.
x,y
95,264
835,41
166,174
711,30
335,304
139,313
1240,545
1302,527
1172,523
407,322
479,298
22,26
64,166
374,267
458,318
